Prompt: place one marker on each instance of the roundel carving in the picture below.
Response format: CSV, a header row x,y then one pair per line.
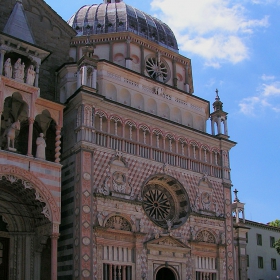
x,y
165,201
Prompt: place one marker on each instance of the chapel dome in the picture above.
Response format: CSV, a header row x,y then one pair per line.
x,y
119,17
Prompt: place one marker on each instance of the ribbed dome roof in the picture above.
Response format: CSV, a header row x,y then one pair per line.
x,y
118,17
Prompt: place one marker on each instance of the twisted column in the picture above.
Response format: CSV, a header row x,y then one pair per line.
x,y
57,144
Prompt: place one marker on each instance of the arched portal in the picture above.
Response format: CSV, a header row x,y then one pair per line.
x,y
27,229
28,226
165,274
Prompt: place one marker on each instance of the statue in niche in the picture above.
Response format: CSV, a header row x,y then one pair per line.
x,y
41,147
192,229
30,77
17,68
8,70
22,71
10,133
223,238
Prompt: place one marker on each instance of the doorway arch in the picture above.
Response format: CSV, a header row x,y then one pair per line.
x,y
166,273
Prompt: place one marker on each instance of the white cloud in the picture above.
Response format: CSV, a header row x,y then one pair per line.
x,y
217,30
265,2
267,98
267,78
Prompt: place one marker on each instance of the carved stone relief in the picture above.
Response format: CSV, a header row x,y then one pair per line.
x,y
205,236
116,181
118,222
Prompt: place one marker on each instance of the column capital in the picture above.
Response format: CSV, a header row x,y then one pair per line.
x,y
30,120
55,235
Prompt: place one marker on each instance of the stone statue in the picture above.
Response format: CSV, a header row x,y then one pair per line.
x,y
10,133
17,69
41,147
8,71
30,77
21,73
223,238
169,224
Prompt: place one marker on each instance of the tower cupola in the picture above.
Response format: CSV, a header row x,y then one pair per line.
x,y
218,117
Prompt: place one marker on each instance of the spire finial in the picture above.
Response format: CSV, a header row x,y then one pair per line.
x,y
236,198
217,94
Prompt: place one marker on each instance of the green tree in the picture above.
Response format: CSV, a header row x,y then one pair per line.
x,y
275,223
277,246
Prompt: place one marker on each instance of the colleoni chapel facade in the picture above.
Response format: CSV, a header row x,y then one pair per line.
x,y
107,170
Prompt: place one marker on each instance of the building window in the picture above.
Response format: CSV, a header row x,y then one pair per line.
x,y
273,264
248,261
206,275
260,262
272,241
259,239
246,237
112,271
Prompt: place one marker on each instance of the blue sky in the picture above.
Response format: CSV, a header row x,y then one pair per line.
x,y
234,46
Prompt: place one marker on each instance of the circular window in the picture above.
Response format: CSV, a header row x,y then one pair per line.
x,y
165,202
158,203
157,68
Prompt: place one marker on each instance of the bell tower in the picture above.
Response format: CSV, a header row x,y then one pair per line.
x,y
219,117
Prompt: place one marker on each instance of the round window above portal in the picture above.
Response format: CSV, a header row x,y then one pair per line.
x,y
165,201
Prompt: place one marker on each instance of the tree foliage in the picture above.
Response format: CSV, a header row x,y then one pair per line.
x,y
277,246
275,223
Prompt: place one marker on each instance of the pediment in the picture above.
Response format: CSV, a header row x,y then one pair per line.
x,y
167,242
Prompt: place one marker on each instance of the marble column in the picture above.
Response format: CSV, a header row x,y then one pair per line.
x,y
79,79
54,238
187,87
94,78
30,136
37,75
2,54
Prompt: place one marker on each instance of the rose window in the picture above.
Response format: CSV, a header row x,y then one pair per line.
x,y
158,203
157,69
165,202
